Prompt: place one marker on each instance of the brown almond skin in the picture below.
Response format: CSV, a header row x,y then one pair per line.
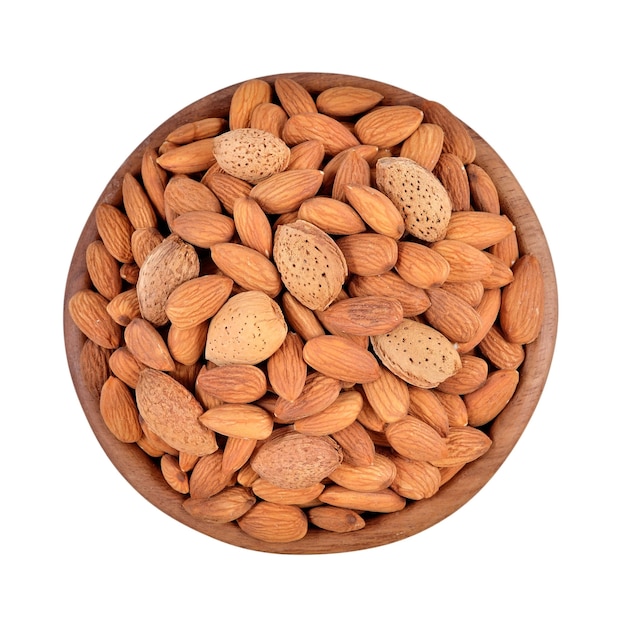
x,y
362,315
274,523
88,310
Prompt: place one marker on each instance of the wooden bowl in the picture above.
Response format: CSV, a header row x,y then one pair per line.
x,y
144,474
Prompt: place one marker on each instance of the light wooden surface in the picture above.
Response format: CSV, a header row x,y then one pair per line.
x,y
142,473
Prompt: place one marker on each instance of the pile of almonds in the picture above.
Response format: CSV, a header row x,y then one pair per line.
x,y
307,313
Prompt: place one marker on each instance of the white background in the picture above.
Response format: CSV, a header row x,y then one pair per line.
x,y
84,84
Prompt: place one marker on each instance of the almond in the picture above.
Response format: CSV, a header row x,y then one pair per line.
x,y
335,519
451,172
238,384
248,268
426,406
353,170
285,191
197,299
88,310
486,402
223,507
466,262
245,98
94,366
119,411
186,345
479,229
388,125
332,133
347,100
383,501
269,117
248,329
318,393
174,476
197,129
472,375
252,225
368,254
189,158
154,179
170,264
488,309
388,396
340,414
457,139
203,229
369,153
304,496
362,315
417,353
356,444
308,155
500,352
238,420
208,478
418,194
116,231
311,265
522,308
375,209
414,439
302,319
237,452
274,523
286,368
341,358
172,412
294,97
451,315
483,192
375,477
250,153
463,445
424,146
103,269
126,366
227,188
184,194
293,460
137,204
415,480
147,345
331,215
421,266
143,241
413,299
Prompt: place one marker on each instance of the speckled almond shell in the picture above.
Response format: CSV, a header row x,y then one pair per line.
x,y
310,263
293,460
417,353
168,265
251,154
418,194
248,329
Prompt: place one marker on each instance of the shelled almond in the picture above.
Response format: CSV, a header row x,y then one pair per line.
x,y
308,311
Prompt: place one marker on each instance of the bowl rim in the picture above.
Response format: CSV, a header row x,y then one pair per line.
x,y
142,472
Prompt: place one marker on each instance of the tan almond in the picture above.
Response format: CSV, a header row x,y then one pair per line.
x,y
119,411
311,265
126,366
189,158
347,100
463,445
415,480
472,375
237,452
197,129
301,318
418,194
369,153
450,170
303,496
341,358
454,406
88,310
308,155
421,265
293,96
268,116
368,254
274,523
500,352
251,154
424,404
227,188
471,291
124,307
173,474
172,412
501,273
356,444
424,146
203,229
186,345
238,420
488,309
170,264
208,478
523,302
236,384
483,191
184,194
466,262
143,241
247,329
94,366
154,179
353,170
293,460
332,133
417,353
388,125
388,396
137,204
147,345
375,477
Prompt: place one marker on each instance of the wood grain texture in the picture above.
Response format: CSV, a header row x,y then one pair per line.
x,y
144,474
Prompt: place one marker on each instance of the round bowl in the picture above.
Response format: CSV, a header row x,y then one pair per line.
x,y
144,474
